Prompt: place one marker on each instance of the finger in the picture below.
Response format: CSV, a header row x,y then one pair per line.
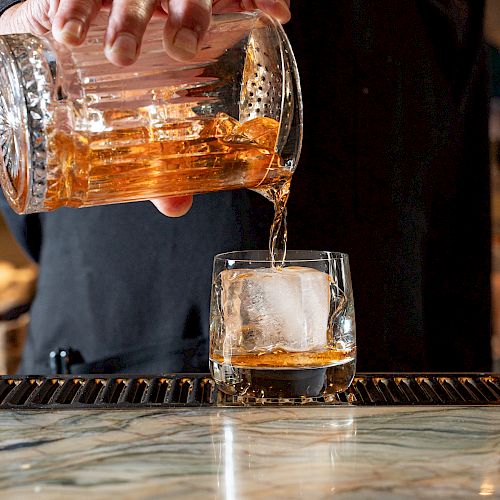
x,y
53,8
127,23
187,23
279,9
72,19
175,206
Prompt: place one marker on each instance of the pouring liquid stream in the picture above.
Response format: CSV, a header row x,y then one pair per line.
x,y
278,194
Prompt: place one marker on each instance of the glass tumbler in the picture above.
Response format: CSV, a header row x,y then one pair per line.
x,y
77,131
282,332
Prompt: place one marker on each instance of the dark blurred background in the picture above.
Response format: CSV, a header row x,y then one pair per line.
x,y
18,273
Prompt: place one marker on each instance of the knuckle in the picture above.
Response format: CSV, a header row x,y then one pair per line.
x,y
194,14
134,17
137,13
36,17
199,4
79,9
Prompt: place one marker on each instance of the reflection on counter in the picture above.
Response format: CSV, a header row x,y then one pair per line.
x,y
237,451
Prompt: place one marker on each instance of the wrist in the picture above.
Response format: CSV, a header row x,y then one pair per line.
x,y
5,5
10,20
25,17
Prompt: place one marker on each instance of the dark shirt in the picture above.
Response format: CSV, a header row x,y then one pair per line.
x,y
394,171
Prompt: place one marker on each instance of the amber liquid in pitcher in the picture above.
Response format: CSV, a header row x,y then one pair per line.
x,y
186,157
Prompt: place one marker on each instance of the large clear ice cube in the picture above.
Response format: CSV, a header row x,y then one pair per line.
x,y
269,309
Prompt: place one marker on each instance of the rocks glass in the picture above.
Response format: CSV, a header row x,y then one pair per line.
x,y
282,332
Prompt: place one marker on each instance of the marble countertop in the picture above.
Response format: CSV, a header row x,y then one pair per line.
x,y
240,453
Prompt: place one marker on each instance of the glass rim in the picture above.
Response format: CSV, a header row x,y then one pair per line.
x,y
292,256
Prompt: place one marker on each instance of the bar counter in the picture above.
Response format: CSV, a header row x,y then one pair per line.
x,y
257,452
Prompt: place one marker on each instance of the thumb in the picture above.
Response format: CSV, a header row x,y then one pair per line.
x,y
175,206
279,9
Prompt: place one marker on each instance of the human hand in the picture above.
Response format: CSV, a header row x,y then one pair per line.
x,y
186,23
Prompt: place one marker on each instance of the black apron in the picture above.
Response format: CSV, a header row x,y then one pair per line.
x,y
394,171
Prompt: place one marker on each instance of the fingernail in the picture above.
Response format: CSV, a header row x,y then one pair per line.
x,y
72,31
125,47
186,42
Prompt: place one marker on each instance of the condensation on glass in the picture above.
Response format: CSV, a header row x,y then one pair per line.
x,y
76,131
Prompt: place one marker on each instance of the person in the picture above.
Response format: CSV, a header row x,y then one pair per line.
x,y
394,171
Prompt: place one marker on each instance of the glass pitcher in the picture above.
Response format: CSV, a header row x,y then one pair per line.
x,y
77,131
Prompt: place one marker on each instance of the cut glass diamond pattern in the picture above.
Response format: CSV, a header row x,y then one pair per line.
x,y
36,80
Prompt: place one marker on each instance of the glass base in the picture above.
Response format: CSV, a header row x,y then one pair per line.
x,y
284,382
